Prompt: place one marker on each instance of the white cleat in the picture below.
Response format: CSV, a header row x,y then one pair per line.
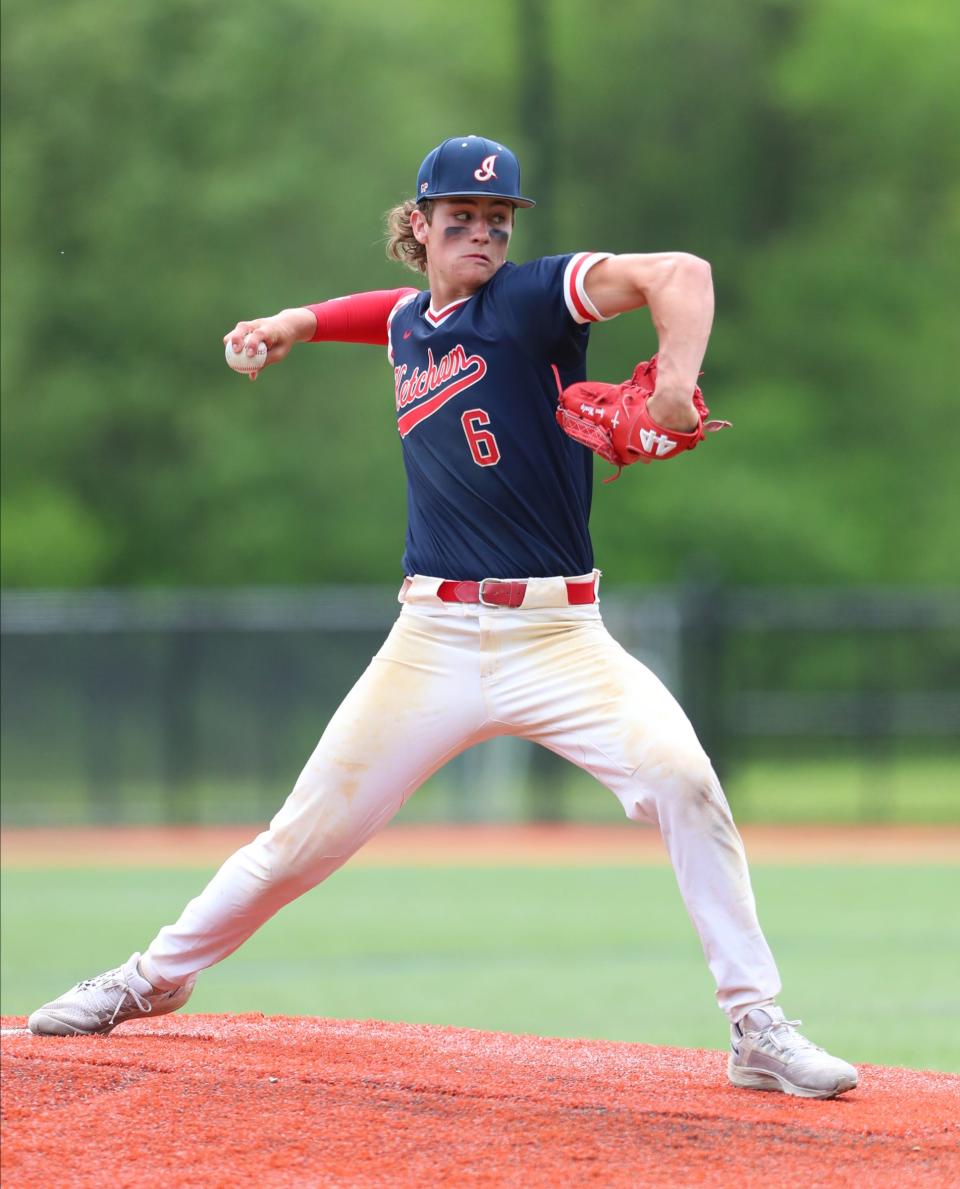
x,y
770,1054
97,1005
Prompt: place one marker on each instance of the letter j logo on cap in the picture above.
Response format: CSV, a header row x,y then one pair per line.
x,y
485,172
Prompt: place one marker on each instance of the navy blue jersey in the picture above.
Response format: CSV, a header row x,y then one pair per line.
x,y
495,489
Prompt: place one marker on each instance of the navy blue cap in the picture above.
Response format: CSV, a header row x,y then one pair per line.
x,y
471,165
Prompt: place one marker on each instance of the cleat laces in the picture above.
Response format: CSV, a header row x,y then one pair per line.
x,y
114,980
782,1035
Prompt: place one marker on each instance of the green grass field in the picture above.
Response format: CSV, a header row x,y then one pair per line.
x,y
870,956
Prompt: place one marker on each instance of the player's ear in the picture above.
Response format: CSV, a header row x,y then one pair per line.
x,y
419,225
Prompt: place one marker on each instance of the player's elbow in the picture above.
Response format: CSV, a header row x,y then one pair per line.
x,y
687,285
695,271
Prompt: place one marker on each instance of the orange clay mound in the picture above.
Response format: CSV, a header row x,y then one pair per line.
x,y
271,1101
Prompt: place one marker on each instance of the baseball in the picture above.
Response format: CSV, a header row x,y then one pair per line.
x,y
240,361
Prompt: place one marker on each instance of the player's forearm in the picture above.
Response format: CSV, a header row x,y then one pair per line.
x,y
678,288
302,323
681,307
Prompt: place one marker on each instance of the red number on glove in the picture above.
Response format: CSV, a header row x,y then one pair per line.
x,y
482,443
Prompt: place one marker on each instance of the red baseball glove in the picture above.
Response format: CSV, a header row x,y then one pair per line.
x,y
612,419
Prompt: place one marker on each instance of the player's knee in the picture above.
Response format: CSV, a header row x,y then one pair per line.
x,y
697,800
304,857
312,836
318,827
685,788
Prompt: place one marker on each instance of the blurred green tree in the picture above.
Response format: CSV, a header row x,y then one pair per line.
x,y
170,168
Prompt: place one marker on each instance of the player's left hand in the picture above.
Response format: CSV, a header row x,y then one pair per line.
x,y
614,421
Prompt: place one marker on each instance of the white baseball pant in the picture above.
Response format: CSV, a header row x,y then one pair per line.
x,y
450,675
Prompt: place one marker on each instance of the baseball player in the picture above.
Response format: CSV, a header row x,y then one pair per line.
x,y
499,630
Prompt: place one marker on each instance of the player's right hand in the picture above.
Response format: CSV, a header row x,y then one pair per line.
x,y
279,332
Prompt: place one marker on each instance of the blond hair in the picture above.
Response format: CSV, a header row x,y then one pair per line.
x,y
402,244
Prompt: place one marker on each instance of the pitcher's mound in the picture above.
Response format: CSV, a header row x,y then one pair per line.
x,y
272,1101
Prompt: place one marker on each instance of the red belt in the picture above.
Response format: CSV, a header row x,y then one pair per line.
x,y
501,592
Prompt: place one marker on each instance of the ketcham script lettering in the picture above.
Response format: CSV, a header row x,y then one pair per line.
x,y
444,379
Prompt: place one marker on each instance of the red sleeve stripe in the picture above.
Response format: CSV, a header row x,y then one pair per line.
x,y
579,304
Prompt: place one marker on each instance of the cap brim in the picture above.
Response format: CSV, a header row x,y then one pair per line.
x,y
524,202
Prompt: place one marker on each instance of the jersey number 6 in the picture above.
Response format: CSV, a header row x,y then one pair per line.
x,y
482,443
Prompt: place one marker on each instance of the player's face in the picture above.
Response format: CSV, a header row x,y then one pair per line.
x,y
467,240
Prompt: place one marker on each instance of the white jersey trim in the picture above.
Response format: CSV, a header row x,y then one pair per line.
x,y
435,317
581,308
399,306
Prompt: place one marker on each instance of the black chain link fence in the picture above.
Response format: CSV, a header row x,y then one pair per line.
x,y
201,706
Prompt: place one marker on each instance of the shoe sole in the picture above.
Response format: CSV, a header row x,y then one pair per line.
x,y
43,1025
746,1078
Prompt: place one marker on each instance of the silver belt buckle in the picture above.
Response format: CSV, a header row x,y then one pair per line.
x,y
483,582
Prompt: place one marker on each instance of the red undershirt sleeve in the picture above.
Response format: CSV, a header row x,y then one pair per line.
x,y
358,318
